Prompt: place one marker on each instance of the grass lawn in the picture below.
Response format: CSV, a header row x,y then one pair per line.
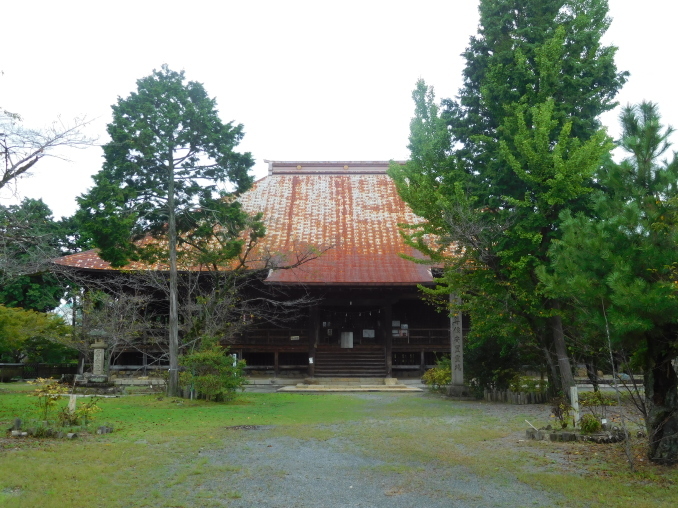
x,y
152,459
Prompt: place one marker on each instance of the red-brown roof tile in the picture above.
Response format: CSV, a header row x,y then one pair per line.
x,y
351,209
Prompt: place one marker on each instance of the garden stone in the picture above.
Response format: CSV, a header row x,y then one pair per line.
x,y
16,433
71,404
71,435
17,424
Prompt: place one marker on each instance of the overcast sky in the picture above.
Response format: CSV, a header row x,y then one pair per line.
x,y
309,80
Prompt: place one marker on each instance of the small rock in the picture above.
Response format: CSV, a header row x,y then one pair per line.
x,y
71,435
17,424
16,433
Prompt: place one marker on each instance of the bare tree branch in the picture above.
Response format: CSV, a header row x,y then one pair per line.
x,y
21,148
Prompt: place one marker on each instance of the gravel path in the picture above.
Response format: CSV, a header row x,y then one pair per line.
x,y
272,471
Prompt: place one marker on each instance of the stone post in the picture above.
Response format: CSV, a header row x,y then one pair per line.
x,y
99,355
457,387
574,402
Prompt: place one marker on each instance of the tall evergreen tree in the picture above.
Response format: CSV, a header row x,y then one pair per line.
x,y
492,171
169,151
29,239
621,265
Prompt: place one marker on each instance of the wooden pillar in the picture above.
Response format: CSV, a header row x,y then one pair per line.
x,y
422,363
387,336
276,368
313,326
145,362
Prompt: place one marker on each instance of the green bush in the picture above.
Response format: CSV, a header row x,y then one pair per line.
x,y
439,376
561,410
210,371
527,384
589,424
596,402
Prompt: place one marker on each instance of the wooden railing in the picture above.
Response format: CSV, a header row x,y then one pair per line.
x,y
423,337
273,337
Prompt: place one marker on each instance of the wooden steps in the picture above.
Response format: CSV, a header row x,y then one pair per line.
x,y
350,362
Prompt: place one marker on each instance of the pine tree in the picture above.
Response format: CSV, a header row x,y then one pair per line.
x,y
621,265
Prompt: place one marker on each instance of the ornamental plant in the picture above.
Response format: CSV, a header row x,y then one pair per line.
x,y
212,372
439,376
48,392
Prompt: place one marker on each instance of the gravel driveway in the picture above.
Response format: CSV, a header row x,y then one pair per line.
x,y
269,470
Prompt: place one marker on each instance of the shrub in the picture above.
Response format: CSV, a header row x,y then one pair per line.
x,y
48,392
589,424
596,402
561,408
87,410
527,385
210,371
439,376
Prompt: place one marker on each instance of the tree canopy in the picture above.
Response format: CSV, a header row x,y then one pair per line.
x,y
492,171
170,160
618,266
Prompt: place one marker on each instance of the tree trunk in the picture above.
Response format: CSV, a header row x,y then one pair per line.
x,y
554,380
173,381
661,401
566,377
592,373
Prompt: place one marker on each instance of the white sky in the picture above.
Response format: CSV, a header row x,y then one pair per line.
x,y
309,80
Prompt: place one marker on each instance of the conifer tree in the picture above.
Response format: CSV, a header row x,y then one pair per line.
x,y
168,153
621,265
492,171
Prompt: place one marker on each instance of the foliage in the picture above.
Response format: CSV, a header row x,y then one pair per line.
x,y
439,376
526,384
168,144
48,392
22,332
596,402
66,417
589,424
561,410
212,372
619,264
169,153
492,172
86,411
29,239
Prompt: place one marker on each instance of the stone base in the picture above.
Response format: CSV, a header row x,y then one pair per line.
x,y
459,391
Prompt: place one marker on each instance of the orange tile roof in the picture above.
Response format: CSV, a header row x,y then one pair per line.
x,y
351,209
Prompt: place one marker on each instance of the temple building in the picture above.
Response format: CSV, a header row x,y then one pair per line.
x,y
368,319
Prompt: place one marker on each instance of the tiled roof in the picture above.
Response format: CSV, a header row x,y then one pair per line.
x,y
349,210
